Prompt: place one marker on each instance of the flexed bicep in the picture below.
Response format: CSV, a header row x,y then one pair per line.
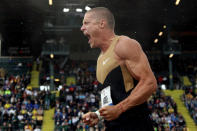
x,y
133,57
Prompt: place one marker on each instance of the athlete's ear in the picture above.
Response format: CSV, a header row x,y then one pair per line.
x,y
102,23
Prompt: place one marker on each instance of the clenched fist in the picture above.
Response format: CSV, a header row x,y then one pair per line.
x,y
110,112
90,118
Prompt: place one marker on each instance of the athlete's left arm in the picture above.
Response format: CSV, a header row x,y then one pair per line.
x,y
131,54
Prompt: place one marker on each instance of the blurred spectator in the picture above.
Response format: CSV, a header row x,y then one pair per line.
x,y
19,109
190,100
164,113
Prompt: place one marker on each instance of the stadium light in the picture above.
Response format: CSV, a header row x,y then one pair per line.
x,y
171,55
66,10
160,33
51,56
156,40
50,2
177,2
79,10
87,8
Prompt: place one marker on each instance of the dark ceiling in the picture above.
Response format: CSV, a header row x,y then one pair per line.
x,y
31,22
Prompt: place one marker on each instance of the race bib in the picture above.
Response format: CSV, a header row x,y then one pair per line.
x,y
106,97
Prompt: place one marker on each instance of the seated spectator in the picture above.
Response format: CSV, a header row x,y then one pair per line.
x,y
190,100
37,128
28,126
40,111
164,112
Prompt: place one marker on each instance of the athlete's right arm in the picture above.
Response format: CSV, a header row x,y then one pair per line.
x,y
90,118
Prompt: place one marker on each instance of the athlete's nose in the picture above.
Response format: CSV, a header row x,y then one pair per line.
x,y
82,28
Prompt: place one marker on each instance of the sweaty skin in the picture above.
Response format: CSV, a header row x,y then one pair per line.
x,y
128,52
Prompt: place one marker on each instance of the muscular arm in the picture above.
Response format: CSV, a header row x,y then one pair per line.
x,y
130,53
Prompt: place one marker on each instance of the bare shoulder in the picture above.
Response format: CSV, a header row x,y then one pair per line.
x,y
127,46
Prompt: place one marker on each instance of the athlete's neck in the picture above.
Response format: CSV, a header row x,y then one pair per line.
x,y
106,41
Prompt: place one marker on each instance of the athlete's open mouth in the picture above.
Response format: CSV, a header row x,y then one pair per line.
x,y
88,36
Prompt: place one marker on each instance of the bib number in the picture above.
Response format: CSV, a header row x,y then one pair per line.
x,y
106,97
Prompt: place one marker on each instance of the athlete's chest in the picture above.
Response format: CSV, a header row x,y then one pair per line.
x,y
105,64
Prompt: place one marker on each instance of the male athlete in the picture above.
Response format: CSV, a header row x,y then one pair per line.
x,y
124,73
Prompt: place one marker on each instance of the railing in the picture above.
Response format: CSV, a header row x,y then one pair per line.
x,y
15,59
54,48
16,65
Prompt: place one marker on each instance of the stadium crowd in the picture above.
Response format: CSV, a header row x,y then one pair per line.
x,y
76,99
190,100
164,113
22,108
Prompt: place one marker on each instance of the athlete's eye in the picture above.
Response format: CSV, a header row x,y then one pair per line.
x,y
85,23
